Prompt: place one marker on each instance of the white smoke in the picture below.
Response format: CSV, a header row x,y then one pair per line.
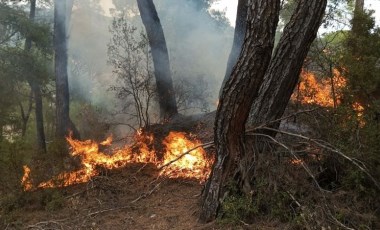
x,y
198,46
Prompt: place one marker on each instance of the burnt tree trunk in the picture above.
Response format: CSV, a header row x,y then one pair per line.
x,y
234,106
63,122
283,72
240,26
36,91
157,42
260,81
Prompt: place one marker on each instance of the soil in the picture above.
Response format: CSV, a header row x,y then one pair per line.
x,y
130,198
134,197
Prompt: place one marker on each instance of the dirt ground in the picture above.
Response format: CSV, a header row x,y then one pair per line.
x,y
134,197
130,198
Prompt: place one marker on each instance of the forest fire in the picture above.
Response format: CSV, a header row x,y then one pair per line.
x,y
323,93
193,165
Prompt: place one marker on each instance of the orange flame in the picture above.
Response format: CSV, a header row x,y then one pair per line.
x,y
26,181
359,109
312,91
193,165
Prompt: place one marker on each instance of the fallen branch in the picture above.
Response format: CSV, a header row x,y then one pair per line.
x,y
146,193
40,225
108,210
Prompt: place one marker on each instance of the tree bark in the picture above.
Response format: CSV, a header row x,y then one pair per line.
x,y
157,42
63,121
41,141
240,26
283,73
358,12
26,115
357,20
234,106
257,80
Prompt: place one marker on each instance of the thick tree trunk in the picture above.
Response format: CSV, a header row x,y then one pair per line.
x,y
155,33
231,165
240,26
36,92
267,83
283,72
63,121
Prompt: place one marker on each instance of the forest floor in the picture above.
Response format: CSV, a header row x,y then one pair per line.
x,y
134,197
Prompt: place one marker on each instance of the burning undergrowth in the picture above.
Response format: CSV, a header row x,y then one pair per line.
x,y
178,156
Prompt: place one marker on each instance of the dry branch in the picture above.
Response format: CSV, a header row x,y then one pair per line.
x,y
325,146
310,174
146,193
295,157
108,210
281,119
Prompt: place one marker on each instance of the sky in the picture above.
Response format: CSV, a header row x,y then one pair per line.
x,y
230,7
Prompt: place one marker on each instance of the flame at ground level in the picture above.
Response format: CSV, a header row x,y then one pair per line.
x,y
196,164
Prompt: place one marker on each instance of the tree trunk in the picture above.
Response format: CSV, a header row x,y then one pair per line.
x,y
283,73
234,106
25,115
62,85
357,26
155,33
358,12
267,83
240,26
41,140
36,91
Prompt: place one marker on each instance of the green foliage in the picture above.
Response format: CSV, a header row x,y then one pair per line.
x,y
16,26
52,199
235,209
12,158
361,60
20,67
